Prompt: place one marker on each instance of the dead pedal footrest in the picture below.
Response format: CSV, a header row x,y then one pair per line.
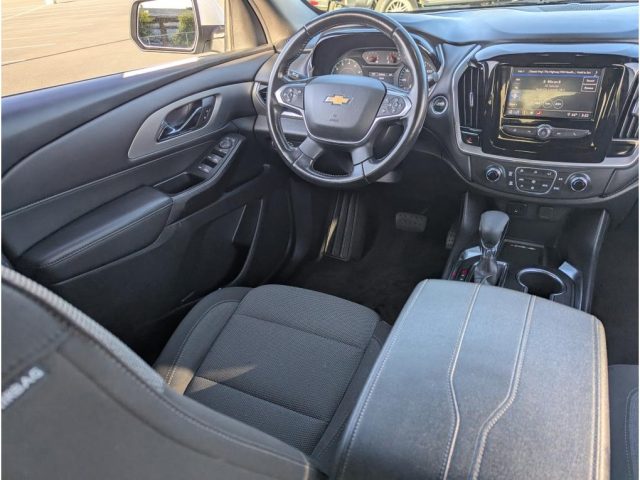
x,y
345,236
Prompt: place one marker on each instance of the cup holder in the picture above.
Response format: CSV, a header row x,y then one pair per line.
x,y
541,283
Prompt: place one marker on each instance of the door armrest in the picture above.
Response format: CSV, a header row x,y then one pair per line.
x,y
112,231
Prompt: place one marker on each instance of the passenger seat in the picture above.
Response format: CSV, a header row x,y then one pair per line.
x,y
623,405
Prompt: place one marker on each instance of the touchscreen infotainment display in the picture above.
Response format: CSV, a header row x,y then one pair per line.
x,y
553,92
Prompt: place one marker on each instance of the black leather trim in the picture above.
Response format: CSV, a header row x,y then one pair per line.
x,y
64,108
118,228
623,401
485,374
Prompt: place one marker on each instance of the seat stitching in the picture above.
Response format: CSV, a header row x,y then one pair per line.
x,y
259,398
627,440
342,426
151,426
453,363
357,347
42,345
163,399
189,418
400,326
180,351
100,240
499,412
596,395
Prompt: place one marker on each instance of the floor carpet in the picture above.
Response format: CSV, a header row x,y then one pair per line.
x,y
615,300
395,261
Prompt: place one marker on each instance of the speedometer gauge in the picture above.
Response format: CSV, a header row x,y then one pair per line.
x,y
347,66
405,77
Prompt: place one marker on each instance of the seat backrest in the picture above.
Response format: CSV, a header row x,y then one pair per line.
x,y
78,403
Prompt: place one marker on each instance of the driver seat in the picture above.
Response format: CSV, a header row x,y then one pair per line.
x,y
253,383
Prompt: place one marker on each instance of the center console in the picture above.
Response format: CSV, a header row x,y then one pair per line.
x,y
515,265
551,122
494,384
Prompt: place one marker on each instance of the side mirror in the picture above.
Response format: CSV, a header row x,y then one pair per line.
x,y
176,25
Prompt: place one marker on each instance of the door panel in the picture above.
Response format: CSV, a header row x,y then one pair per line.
x,y
112,231
100,148
35,119
129,226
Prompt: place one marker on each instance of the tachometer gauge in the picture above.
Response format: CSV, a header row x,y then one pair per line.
x,y
347,66
429,66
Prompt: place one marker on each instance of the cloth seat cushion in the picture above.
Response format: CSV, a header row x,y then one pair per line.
x,y
288,361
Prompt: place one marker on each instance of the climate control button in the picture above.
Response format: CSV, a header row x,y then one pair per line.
x,y
544,131
493,173
578,182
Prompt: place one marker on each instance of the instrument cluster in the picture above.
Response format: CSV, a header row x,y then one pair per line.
x,y
383,64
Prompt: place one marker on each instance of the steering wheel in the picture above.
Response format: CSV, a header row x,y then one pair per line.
x,y
345,112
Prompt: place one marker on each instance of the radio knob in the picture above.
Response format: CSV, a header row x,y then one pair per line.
x,y
578,182
493,173
544,131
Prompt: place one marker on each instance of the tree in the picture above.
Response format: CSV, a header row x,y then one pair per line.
x,y
144,24
186,29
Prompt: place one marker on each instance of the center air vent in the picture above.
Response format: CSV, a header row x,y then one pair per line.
x,y
471,97
627,128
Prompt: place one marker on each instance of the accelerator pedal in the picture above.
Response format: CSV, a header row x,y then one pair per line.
x,y
345,236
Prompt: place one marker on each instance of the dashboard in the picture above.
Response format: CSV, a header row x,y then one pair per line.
x,y
370,54
523,104
383,64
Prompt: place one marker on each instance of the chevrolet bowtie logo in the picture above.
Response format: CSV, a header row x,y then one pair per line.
x,y
337,100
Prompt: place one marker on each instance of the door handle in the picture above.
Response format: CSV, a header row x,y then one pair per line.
x,y
185,119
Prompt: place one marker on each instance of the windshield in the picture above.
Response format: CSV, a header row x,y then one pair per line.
x,y
422,5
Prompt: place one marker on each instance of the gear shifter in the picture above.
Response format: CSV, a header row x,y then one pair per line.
x,y
493,228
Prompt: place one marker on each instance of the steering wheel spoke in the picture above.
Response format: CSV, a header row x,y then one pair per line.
x,y
395,105
291,95
311,149
362,153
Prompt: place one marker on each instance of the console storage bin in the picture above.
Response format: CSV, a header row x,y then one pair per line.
x,y
483,382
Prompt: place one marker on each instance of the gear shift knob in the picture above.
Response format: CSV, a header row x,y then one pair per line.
x,y
493,228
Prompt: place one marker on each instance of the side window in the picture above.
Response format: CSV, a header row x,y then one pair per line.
x,y
53,42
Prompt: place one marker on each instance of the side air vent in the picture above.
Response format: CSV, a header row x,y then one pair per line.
x,y
261,91
628,125
471,97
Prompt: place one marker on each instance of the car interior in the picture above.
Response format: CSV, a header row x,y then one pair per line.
x,y
356,244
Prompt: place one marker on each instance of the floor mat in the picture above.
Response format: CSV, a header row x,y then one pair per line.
x,y
394,262
615,300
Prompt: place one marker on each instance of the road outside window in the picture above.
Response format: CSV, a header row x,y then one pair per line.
x,y
53,42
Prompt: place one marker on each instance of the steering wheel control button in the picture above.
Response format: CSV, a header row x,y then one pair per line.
x,y
493,173
535,180
578,182
392,105
439,105
544,131
293,96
